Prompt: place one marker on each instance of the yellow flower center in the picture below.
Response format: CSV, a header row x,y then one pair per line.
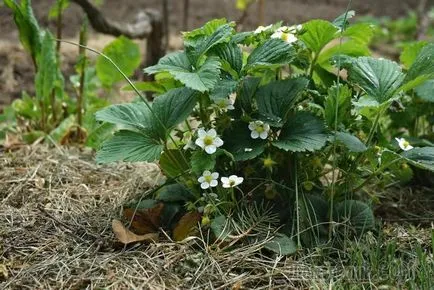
x,y
285,36
208,178
208,140
231,182
260,129
405,144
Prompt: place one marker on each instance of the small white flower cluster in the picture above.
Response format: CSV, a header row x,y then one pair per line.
x,y
286,33
209,179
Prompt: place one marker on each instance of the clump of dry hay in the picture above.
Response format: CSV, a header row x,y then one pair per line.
x,y
55,216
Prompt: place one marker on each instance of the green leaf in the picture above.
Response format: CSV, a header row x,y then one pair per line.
x,y
60,131
426,91
221,228
247,92
422,157
379,78
174,107
57,8
174,192
125,54
360,33
302,132
231,54
276,99
46,77
178,65
129,146
281,245
134,115
349,48
351,142
410,53
173,163
146,87
201,161
98,135
209,28
239,143
220,35
28,27
271,53
340,96
358,214
318,34
223,89
422,69
342,20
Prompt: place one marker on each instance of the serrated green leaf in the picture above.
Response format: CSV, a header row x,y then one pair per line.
x,y
134,115
201,161
422,68
302,132
47,74
349,48
379,78
146,87
230,53
174,107
281,245
175,192
247,91
129,146
221,228
99,134
173,163
223,89
422,157
318,34
360,33
340,96
196,50
277,98
358,214
178,65
343,20
271,53
426,91
238,142
209,28
410,53
351,142
125,54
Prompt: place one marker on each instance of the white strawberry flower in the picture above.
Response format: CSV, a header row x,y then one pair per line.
x,y
286,33
404,144
231,181
208,179
262,29
225,104
208,140
259,130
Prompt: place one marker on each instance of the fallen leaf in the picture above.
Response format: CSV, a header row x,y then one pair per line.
x,y
185,225
126,236
12,142
144,221
237,285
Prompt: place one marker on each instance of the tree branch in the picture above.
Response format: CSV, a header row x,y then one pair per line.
x,y
142,28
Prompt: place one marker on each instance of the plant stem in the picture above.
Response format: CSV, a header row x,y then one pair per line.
x,y
82,58
297,202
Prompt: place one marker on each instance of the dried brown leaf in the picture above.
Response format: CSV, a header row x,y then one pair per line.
x,y
126,236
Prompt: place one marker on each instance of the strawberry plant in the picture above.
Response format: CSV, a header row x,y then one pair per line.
x,y
280,127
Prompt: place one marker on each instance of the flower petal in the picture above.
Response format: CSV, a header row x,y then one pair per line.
x,y
201,133
204,185
254,135
213,183
206,172
201,179
263,135
218,142
210,149
199,142
215,175
212,133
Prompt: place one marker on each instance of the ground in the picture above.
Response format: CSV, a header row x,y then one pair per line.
x,y
55,231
